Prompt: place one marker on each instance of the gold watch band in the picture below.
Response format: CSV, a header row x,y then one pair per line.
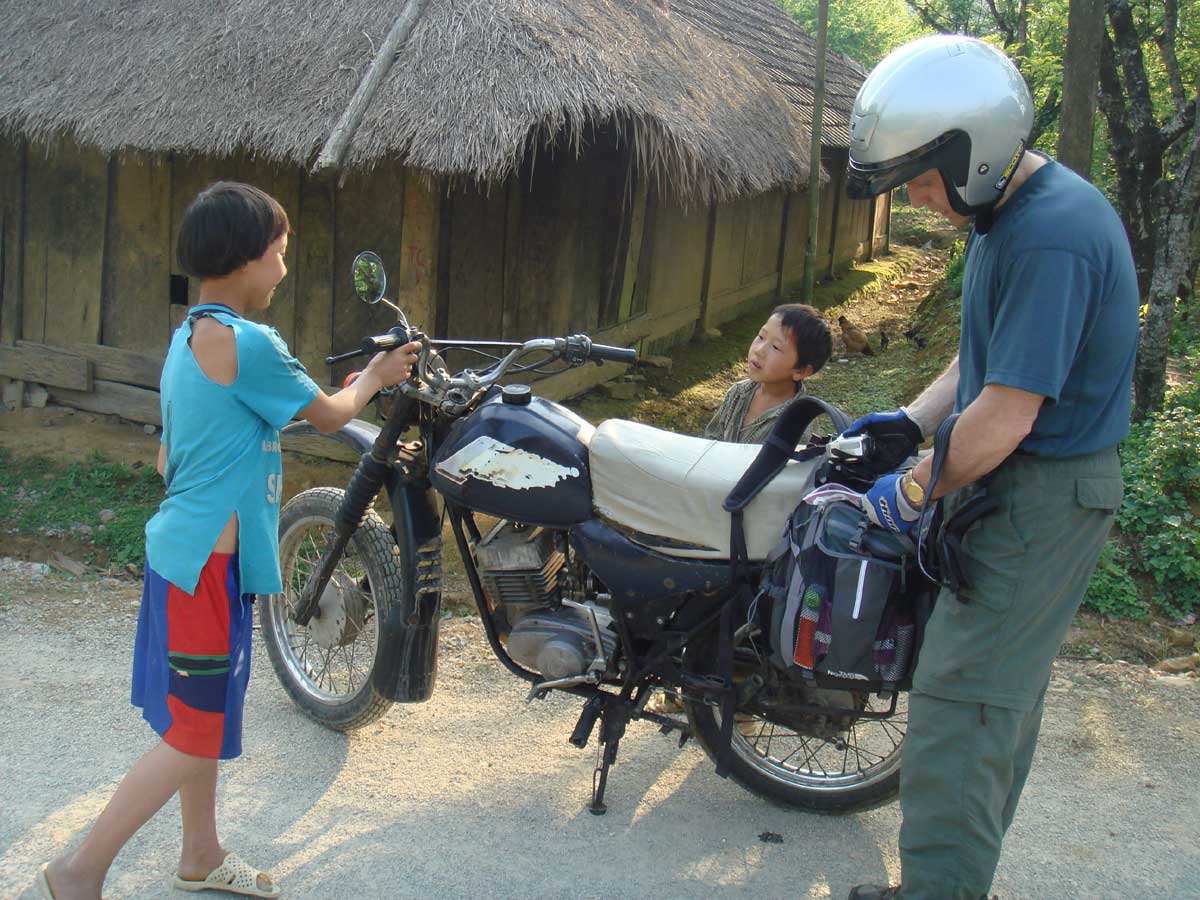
x,y
913,492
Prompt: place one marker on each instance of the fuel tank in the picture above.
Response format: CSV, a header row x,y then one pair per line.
x,y
518,457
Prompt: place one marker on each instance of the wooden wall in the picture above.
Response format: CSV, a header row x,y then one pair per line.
x,y
567,244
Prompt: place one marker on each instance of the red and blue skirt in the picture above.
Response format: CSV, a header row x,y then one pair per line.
x,y
191,659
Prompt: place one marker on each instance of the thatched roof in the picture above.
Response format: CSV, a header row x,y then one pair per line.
x,y
711,93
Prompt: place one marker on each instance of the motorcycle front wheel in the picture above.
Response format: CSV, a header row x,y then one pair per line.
x,y
327,667
855,769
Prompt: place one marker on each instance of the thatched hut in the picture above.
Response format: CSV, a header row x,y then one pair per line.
x,y
630,168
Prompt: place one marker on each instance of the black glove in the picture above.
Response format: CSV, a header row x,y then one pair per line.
x,y
894,435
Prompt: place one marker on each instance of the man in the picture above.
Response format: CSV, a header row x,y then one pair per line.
x,y
1042,382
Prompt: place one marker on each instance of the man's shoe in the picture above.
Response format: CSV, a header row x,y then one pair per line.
x,y
873,892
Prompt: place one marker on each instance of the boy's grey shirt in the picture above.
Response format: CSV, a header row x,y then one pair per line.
x,y
729,422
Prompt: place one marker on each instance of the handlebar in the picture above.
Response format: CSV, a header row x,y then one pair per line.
x,y
433,384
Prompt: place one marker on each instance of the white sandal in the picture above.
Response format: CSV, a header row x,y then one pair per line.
x,y
233,875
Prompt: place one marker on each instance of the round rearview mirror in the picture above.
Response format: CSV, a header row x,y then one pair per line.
x,y
370,278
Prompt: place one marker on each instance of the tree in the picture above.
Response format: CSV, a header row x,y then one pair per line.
x,y
866,30
1081,72
1158,173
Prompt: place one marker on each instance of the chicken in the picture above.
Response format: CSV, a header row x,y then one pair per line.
x,y
856,341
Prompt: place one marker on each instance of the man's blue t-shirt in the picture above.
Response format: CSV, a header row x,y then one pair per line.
x,y
223,454
1050,306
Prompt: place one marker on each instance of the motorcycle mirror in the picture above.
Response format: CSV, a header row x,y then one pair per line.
x,y
370,278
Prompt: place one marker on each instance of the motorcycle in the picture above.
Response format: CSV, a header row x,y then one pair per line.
x,y
598,557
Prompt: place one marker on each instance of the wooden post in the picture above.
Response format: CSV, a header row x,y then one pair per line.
x,y
783,234
836,187
706,280
814,155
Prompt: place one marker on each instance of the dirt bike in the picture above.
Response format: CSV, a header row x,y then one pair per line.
x,y
598,557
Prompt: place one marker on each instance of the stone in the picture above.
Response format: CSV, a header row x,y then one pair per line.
x,y
106,515
1180,664
623,390
150,429
657,362
14,394
37,396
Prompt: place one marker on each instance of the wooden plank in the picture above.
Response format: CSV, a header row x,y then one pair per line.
x,y
706,279
74,261
761,253
549,225
39,181
125,366
46,365
110,398
283,183
313,238
414,285
511,289
12,228
363,222
677,263
189,176
476,274
637,236
137,282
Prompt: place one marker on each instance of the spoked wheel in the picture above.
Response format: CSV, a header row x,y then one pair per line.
x,y
327,667
831,764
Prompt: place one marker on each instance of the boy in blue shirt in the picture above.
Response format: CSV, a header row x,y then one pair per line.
x,y
228,386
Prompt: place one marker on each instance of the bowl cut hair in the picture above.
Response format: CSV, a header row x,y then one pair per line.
x,y
810,333
226,226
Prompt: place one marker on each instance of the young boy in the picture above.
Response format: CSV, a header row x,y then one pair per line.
x,y
792,345
228,386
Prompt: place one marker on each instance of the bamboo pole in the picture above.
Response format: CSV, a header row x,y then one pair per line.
x,y
814,160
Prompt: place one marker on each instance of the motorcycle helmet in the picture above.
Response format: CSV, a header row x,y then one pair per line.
x,y
946,102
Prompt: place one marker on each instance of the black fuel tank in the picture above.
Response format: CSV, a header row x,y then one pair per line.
x,y
518,457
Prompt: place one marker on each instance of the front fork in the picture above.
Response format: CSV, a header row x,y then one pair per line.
x,y
373,469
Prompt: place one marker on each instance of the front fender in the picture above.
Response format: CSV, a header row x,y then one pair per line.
x,y
347,444
408,674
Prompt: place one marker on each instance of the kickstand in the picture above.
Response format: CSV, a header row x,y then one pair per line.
x,y
613,720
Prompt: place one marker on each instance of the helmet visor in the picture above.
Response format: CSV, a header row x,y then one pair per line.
x,y
950,153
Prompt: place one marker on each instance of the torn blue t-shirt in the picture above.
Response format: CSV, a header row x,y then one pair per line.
x,y
1050,306
223,454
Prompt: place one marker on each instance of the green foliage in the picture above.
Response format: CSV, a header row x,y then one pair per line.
x,y
866,30
1158,517
38,497
956,266
1185,329
1112,591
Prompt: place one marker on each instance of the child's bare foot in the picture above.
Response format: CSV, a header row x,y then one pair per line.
x,y
66,882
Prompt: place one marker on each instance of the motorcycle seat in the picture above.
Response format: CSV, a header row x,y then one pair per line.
x,y
667,490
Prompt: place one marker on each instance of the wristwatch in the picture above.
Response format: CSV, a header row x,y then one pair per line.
x,y
913,492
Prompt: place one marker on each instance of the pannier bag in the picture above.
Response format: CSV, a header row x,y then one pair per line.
x,y
844,598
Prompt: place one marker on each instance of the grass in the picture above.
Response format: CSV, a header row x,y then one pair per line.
x,y
64,503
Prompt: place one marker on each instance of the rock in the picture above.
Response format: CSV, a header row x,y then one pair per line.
x,y
14,393
623,391
106,515
657,362
1180,664
85,530
71,566
708,334
1180,637
37,396
150,429
711,404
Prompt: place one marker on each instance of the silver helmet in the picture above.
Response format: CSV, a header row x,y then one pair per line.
x,y
947,102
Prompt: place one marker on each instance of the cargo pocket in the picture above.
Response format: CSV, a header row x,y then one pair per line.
x,y
1099,492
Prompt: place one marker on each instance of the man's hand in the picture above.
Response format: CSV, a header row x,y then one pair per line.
x,y
894,434
886,505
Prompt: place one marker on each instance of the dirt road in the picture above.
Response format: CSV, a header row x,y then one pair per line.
x,y
476,795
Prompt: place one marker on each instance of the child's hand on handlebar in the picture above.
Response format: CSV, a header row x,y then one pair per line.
x,y
394,366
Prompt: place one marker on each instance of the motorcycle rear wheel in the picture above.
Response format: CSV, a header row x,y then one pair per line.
x,y
857,770
328,667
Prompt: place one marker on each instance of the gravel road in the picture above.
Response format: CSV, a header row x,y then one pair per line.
x,y
477,795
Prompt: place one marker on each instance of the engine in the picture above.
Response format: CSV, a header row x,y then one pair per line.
x,y
524,575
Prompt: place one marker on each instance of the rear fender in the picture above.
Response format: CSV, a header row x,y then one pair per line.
x,y
347,444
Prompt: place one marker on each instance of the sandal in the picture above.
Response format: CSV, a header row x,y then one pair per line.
x,y
233,875
43,885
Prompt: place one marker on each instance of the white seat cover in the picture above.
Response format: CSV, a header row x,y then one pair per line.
x,y
672,486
